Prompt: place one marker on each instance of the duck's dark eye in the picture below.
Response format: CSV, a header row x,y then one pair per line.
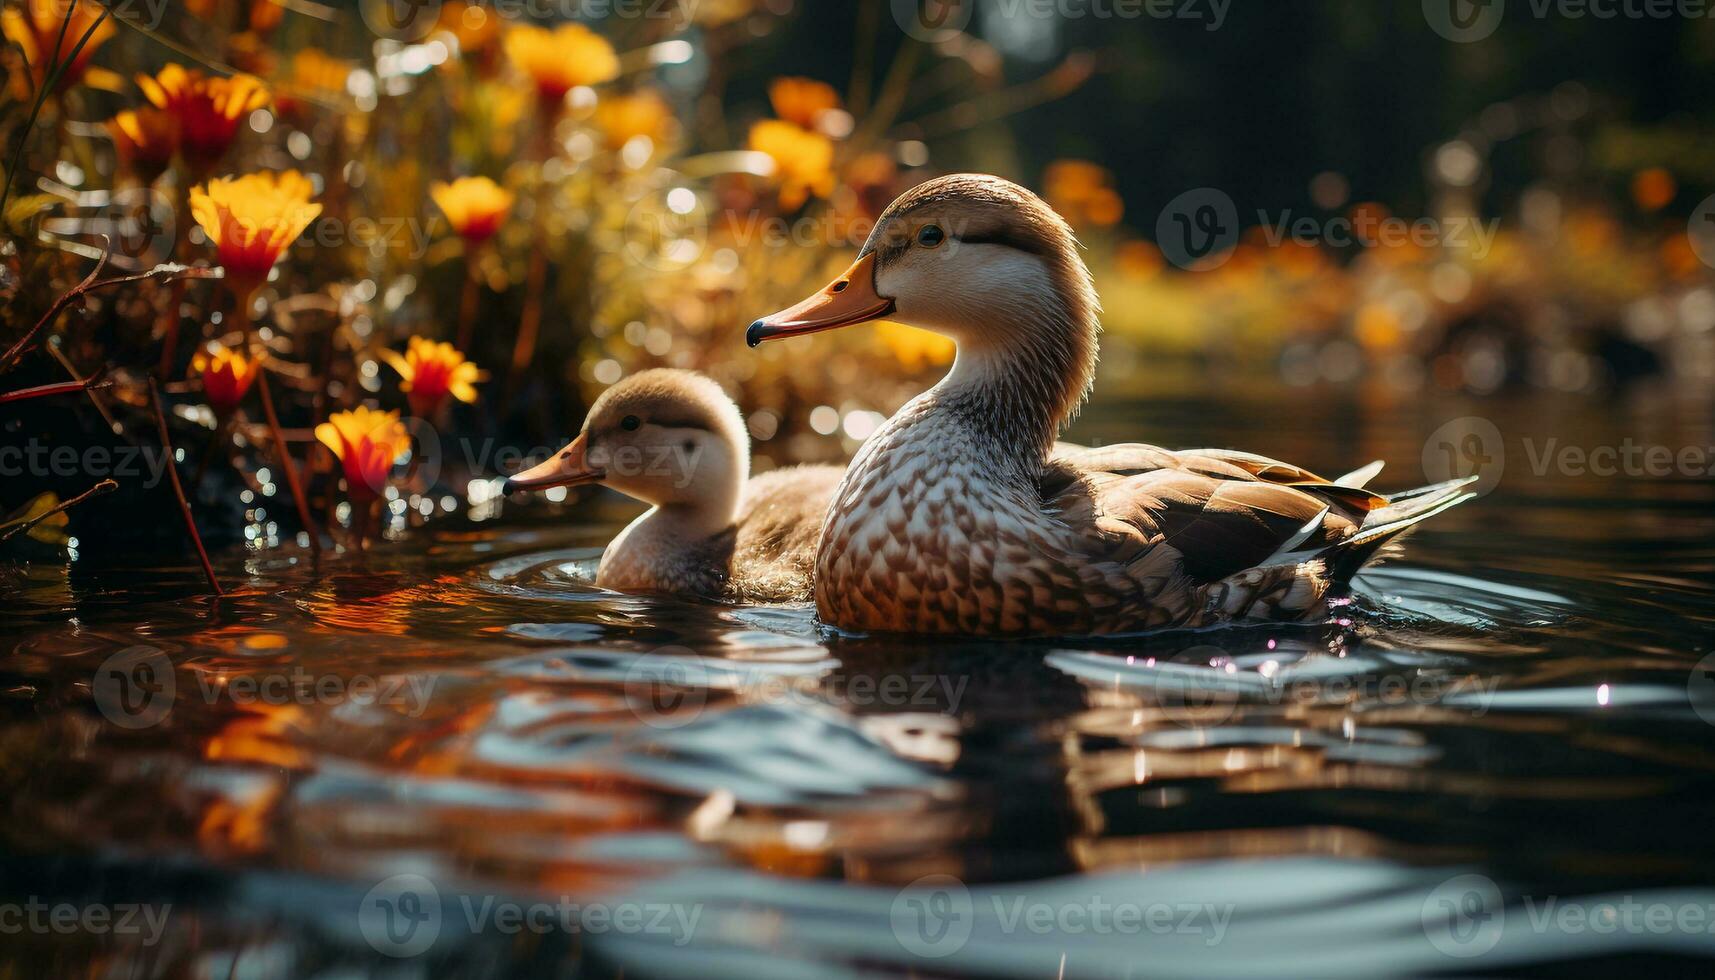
x,y
930,236
630,423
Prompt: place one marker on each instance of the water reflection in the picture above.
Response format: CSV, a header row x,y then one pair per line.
x,y
1519,700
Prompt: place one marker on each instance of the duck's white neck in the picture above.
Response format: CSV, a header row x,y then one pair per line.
x,y
1022,377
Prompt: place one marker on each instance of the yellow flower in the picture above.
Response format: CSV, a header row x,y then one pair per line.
x,y
146,140
474,28
802,100
35,27
367,443
226,376
476,206
803,161
431,371
208,109
622,118
251,219
561,59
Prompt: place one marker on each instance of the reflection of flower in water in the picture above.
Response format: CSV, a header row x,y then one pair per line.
x,y
367,443
208,109
35,25
251,219
226,376
561,59
803,161
475,206
430,371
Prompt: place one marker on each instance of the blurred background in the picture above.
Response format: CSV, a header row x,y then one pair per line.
x,y
1386,203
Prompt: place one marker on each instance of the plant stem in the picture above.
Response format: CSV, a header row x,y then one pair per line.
x,y
179,491
467,302
241,316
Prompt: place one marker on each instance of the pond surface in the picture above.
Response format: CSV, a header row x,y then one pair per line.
x,y
454,757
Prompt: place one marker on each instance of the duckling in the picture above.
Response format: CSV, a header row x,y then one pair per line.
x,y
674,440
962,515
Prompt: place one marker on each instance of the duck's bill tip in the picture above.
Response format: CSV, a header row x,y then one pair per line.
x,y
567,468
847,300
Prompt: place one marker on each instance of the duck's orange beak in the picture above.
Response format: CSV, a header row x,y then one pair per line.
x,y
847,300
566,468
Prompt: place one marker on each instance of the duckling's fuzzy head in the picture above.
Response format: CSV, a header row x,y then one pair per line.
x,y
983,261
662,436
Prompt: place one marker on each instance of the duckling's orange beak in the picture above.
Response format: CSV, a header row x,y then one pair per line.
x,y
566,468
847,300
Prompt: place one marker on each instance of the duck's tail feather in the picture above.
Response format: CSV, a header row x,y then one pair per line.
x,y
1404,511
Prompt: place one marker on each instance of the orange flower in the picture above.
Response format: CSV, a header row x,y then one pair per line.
x,y
146,140
476,206
226,376
35,27
622,118
314,75
208,109
474,28
803,161
431,371
367,442
561,59
802,100
1080,191
251,219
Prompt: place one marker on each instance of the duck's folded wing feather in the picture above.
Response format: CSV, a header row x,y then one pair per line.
x,y
1221,512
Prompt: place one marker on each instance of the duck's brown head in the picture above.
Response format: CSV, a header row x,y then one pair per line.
x,y
976,258
662,436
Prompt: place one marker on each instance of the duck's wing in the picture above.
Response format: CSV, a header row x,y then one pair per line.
x,y
1212,513
779,522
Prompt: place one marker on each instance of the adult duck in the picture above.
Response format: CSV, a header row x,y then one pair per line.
x,y
961,515
673,439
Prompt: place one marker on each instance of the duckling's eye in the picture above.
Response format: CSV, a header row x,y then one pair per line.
x,y
630,423
930,236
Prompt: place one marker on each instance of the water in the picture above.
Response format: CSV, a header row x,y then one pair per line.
x,y
454,757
